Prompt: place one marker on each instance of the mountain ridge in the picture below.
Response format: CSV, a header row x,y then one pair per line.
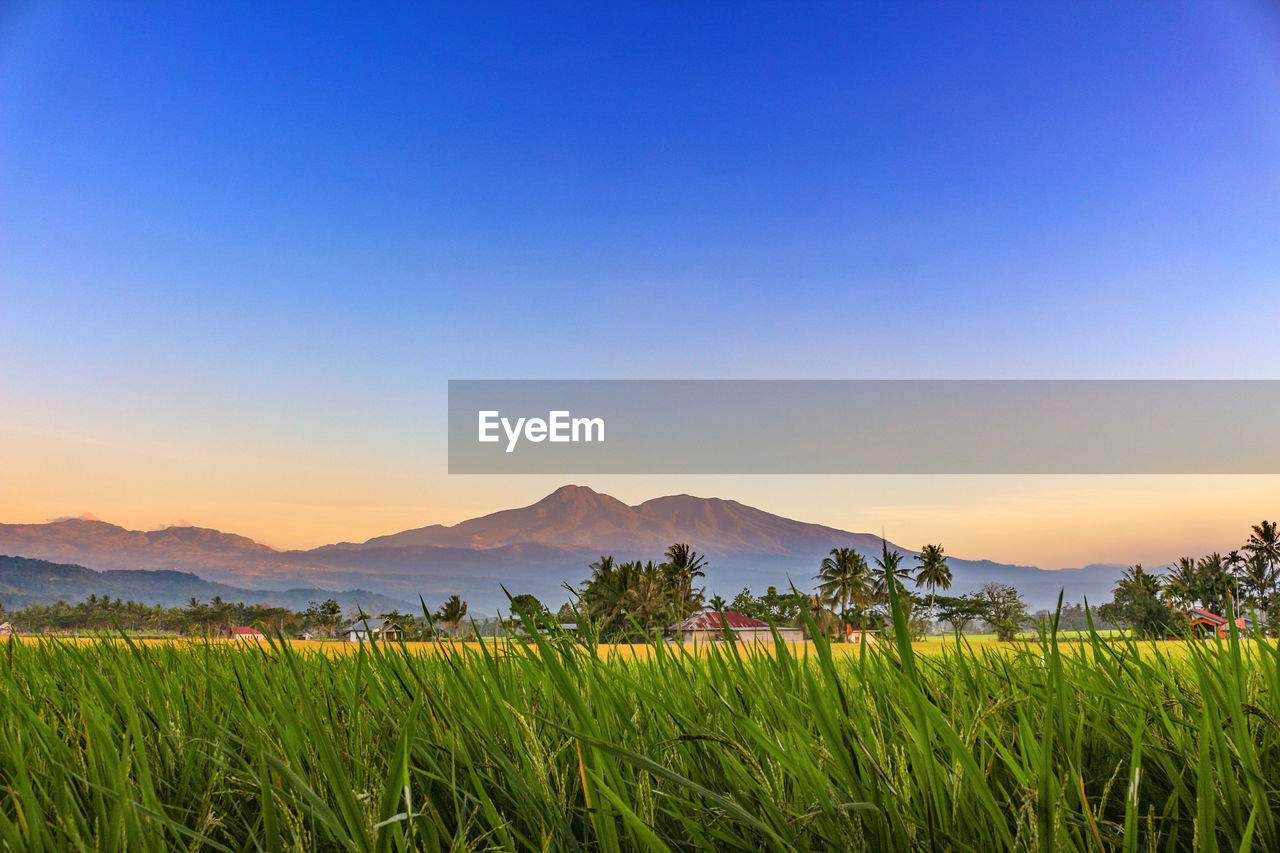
x,y
580,516
536,548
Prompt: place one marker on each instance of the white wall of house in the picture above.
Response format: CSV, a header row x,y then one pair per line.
x,y
789,635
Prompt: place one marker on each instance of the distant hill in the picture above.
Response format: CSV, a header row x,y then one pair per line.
x,y
25,581
533,549
109,546
581,517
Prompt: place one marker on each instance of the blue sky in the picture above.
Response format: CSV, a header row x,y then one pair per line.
x,y
276,232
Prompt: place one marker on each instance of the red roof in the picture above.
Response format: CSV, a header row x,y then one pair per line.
x,y
243,631
711,621
1198,615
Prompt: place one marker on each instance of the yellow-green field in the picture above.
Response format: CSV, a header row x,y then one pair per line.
x,y
640,651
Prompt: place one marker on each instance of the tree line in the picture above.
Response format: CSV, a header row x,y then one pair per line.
x,y
1244,581
635,600
859,595
210,618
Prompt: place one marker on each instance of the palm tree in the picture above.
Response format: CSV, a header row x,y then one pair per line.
x,y
823,618
1259,580
453,612
1264,545
220,611
1175,593
1183,581
607,594
1139,578
890,565
1215,583
845,578
933,573
648,601
682,567
1234,561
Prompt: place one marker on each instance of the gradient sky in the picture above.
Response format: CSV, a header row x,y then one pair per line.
x,y
243,248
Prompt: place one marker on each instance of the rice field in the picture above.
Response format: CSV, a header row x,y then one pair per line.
x,y
1101,744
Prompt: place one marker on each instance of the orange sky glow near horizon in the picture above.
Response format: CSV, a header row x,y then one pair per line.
x,y
289,500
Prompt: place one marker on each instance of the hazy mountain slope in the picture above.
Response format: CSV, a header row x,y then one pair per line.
x,y
25,581
109,546
728,526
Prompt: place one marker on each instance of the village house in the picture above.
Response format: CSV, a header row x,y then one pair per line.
x,y
244,632
6,630
369,630
709,627
1208,624
859,635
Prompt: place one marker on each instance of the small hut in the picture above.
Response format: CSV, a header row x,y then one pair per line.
x,y
369,630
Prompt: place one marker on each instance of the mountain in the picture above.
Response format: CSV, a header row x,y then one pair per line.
x,y
534,549
25,581
581,517
109,546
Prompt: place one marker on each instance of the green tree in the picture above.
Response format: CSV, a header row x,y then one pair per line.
x,y
452,612
1234,561
890,565
526,605
682,567
961,611
651,601
1263,547
1265,541
745,603
1215,584
933,572
845,579
605,594
1004,609
779,608
1137,604
323,617
1182,583
823,618
1257,582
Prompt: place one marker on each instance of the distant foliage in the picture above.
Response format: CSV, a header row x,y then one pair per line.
x,y
325,619
778,608
1244,581
634,600
1005,611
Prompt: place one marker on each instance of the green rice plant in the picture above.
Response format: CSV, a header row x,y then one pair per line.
x,y
1102,744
